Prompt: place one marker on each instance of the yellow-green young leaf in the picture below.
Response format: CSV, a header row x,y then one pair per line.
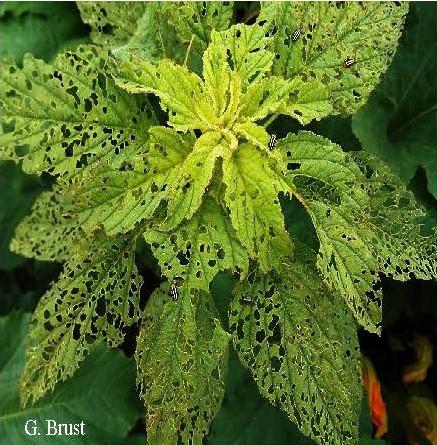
x,y
251,195
217,77
264,98
196,20
320,39
63,117
247,48
222,86
179,90
174,171
300,344
365,219
197,250
95,298
181,358
307,101
48,233
254,133
193,177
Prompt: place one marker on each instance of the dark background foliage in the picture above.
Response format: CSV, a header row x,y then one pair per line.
x,y
399,124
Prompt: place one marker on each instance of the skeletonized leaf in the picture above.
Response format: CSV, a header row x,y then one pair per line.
x,y
327,182
365,220
48,233
404,246
95,298
198,250
63,117
251,195
329,34
297,339
181,360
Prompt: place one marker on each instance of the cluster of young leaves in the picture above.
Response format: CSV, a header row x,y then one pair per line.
x,y
203,190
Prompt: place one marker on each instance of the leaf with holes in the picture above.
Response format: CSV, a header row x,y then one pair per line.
x,y
161,131
62,118
95,298
365,220
247,48
345,46
181,358
196,20
48,233
198,250
252,189
297,338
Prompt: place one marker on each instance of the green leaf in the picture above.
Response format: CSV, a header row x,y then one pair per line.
x,y
307,101
264,98
142,28
404,245
331,33
198,250
117,199
251,195
107,415
48,233
398,122
326,181
247,418
174,170
181,358
38,28
63,117
179,90
365,220
95,298
247,48
300,344
196,20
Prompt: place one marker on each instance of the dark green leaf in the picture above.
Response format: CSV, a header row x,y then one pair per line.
x,y
108,414
399,123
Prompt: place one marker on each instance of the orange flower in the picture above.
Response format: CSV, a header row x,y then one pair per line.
x,y
378,411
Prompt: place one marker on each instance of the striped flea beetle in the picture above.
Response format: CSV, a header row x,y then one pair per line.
x,y
272,141
348,62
